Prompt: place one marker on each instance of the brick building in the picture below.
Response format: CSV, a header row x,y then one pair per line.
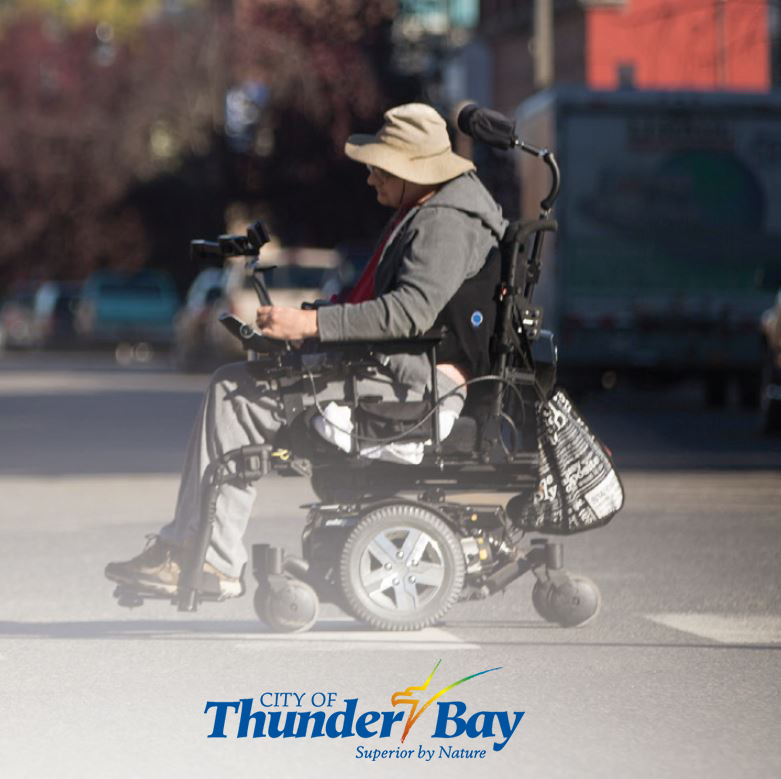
x,y
650,44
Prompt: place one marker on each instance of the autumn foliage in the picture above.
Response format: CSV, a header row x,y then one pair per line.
x,y
113,153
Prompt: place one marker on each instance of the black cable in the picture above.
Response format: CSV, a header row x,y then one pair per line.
x,y
424,419
507,418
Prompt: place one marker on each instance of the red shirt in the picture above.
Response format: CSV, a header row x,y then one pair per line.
x,y
364,287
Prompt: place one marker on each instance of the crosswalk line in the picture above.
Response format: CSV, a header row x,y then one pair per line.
x,y
725,628
428,639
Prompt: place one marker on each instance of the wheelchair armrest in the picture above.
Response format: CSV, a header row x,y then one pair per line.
x,y
418,345
354,349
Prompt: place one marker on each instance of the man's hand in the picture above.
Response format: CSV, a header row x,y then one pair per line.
x,y
287,324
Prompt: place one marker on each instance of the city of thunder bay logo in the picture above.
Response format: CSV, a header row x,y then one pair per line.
x,y
293,715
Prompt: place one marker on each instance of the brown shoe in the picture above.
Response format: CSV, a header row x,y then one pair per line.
x,y
158,567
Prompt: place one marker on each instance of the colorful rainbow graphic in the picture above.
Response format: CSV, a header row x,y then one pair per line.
x,y
406,697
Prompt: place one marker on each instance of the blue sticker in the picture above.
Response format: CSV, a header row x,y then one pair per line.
x,y
476,319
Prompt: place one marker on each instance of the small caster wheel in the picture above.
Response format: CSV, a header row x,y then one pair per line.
x,y
260,603
290,606
574,602
541,599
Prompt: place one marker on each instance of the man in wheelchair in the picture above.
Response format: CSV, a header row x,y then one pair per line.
x,y
437,262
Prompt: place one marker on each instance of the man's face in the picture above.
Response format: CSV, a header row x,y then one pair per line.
x,y
389,188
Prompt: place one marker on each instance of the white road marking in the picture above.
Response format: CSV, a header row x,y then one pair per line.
x,y
725,628
428,639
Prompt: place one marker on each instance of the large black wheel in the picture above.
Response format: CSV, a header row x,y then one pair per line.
x,y
770,397
716,387
749,388
402,568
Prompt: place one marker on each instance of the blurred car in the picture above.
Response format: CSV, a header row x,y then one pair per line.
x,y
54,313
770,394
200,342
16,317
116,308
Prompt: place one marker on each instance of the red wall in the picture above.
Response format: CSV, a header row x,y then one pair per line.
x,y
675,43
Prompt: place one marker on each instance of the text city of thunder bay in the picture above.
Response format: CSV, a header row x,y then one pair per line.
x,y
282,715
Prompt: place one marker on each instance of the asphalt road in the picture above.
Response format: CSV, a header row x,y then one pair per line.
x,y
679,675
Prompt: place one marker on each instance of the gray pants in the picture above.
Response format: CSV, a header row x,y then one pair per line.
x,y
241,407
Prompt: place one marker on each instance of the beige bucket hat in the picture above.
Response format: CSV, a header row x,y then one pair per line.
x,y
412,144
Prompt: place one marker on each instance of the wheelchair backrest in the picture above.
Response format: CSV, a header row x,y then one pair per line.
x,y
517,373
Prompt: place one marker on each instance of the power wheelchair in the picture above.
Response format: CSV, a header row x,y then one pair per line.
x,y
394,545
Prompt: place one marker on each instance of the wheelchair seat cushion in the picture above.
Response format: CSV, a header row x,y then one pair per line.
x,y
379,436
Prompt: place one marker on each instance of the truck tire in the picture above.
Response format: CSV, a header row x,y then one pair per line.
x,y
716,386
749,384
769,403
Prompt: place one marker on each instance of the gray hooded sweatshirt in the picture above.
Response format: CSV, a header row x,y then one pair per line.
x,y
436,248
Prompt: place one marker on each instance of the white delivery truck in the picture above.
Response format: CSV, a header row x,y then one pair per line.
x,y
669,245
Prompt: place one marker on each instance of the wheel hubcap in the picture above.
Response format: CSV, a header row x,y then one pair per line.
x,y
402,569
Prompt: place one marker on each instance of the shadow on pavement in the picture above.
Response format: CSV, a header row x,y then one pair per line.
x,y
332,631
671,429
145,431
111,432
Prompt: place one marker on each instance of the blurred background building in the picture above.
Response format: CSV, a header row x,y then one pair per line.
x,y
609,44
131,127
